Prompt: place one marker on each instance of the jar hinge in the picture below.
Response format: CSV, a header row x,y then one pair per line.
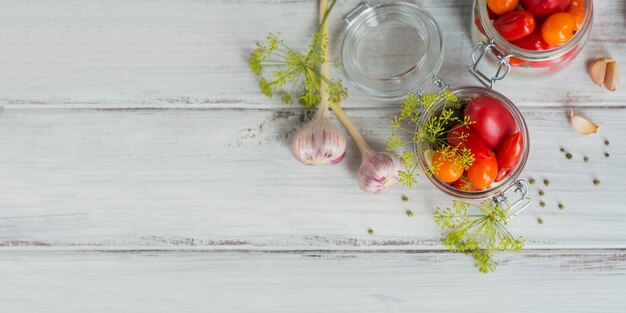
x,y
519,187
440,83
480,50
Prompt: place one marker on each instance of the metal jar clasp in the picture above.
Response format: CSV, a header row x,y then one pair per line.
x,y
520,188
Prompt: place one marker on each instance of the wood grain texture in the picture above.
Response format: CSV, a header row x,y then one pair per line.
x,y
225,179
193,53
549,281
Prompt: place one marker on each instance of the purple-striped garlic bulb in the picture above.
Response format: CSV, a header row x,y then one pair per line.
x,y
319,141
378,171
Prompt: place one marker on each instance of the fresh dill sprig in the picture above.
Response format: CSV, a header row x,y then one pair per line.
x,y
412,134
295,75
477,233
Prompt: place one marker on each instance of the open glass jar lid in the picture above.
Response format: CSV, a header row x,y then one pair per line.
x,y
389,50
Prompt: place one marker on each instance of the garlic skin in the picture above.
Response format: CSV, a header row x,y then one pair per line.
x,y
378,172
604,72
582,125
319,142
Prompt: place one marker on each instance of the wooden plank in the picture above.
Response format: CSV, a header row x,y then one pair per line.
x,y
175,53
548,281
225,179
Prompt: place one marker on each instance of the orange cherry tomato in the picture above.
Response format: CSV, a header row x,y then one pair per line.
x,y
446,170
579,15
502,6
558,28
483,172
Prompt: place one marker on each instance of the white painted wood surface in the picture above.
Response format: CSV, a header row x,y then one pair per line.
x,y
136,127
545,281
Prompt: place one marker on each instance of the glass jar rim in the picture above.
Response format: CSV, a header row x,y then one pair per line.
x,y
513,176
532,54
398,85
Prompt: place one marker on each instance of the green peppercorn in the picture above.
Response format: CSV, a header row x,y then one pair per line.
x,y
542,204
541,193
561,206
568,155
546,182
409,213
405,198
370,231
562,149
586,159
531,181
606,142
606,154
596,182
540,220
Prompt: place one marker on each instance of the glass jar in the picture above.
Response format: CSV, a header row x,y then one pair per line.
x,y
370,34
497,190
508,57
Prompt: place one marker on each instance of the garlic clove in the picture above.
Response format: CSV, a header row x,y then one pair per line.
x,y
378,172
319,142
597,70
429,154
612,78
582,125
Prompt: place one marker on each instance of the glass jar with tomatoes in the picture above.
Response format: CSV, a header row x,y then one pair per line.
x,y
497,137
528,37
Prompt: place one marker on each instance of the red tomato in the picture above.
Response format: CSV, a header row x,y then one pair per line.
x,y
558,28
511,151
545,7
515,25
502,6
534,42
502,174
493,121
464,137
483,172
446,170
549,63
577,3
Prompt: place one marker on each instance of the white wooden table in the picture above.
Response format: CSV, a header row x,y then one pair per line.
x,y
143,171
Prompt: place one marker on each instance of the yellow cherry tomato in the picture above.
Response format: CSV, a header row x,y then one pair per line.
x,y
558,28
502,6
445,169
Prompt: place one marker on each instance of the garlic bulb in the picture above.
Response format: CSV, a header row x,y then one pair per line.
x,y
378,172
319,142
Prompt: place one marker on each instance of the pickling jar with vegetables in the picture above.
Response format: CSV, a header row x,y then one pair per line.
x,y
528,37
470,142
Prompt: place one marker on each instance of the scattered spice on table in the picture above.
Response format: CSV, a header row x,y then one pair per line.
x,y
568,155
531,181
542,204
546,182
405,198
596,182
541,193
540,220
561,206
370,231
586,159
606,142
606,154
409,213
562,149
